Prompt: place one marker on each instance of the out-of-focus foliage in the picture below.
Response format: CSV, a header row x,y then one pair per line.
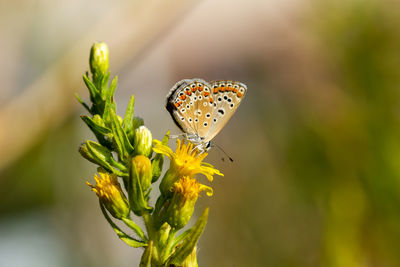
x,y
316,142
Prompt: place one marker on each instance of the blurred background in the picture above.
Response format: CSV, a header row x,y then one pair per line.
x,y
316,141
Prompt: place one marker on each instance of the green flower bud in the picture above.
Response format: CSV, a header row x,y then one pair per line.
x,y
99,59
179,209
142,141
144,171
109,191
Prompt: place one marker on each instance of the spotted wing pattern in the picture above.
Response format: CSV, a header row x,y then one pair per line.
x,y
228,96
190,103
203,109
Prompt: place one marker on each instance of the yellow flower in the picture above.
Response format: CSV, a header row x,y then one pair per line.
x,y
186,161
180,207
109,191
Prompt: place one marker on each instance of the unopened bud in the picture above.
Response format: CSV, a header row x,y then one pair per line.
x,y
99,58
142,141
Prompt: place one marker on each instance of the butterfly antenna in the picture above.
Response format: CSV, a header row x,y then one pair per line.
x,y
223,151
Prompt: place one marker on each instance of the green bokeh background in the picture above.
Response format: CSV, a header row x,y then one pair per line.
x,y
316,141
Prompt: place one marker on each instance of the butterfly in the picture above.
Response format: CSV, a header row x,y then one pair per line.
x,y
201,109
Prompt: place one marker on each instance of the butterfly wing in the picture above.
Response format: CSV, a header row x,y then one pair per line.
x,y
227,96
189,102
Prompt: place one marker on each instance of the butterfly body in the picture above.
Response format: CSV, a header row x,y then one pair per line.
x,y
201,109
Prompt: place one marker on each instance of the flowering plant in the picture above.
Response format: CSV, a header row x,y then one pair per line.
x,y
127,154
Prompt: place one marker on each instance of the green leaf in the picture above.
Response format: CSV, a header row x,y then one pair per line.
x,y
95,127
122,235
128,121
158,161
83,103
123,146
101,156
104,85
146,257
186,247
136,195
180,237
94,93
131,224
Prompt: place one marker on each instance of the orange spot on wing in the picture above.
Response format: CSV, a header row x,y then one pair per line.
x,y
215,90
239,94
183,97
200,88
194,89
235,90
177,105
211,100
206,93
229,88
222,89
188,93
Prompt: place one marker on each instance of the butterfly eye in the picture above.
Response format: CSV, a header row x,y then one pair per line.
x,y
183,118
215,120
206,89
200,97
190,120
205,124
181,93
219,99
187,89
208,115
232,105
229,85
205,104
236,86
187,106
229,99
222,85
183,110
196,120
193,85
215,86
199,111
221,111
241,90
225,97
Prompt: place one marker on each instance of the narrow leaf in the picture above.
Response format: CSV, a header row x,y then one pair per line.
x,y
128,121
121,139
131,224
146,257
122,235
189,242
83,103
94,93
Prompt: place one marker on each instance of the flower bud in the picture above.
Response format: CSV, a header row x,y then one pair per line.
x,y
142,141
109,191
180,207
144,171
99,59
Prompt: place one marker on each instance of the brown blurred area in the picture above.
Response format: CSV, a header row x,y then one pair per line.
x,y
316,142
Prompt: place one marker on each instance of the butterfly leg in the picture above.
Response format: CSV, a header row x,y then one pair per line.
x,y
175,136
